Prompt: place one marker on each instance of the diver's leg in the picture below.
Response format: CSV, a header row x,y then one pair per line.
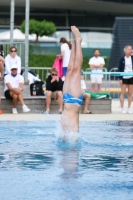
x,y
70,67
74,87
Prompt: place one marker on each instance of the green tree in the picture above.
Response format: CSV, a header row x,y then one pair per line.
x,y
40,28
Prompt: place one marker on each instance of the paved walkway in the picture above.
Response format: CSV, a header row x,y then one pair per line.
x,y
115,115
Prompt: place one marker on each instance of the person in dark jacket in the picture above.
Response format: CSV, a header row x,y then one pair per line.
x,y
1,50
1,62
126,65
54,85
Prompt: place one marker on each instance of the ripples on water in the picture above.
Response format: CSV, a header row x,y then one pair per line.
x,y
34,164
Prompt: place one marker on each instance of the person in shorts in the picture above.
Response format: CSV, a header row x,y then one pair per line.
x,y
126,65
65,55
54,87
96,64
14,83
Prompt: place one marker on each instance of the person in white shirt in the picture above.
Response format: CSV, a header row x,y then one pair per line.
x,y
65,55
14,83
96,64
86,95
11,59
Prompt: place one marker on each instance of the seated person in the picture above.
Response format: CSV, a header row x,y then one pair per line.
x,y
12,58
86,96
13,89
53,84
1,67
1,50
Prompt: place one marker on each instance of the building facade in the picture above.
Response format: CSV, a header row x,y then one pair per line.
x,y
88,15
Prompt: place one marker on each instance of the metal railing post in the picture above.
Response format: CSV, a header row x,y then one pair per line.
x,y
12,10
27,12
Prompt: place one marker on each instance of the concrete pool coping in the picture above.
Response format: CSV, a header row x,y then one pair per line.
x,y
115,115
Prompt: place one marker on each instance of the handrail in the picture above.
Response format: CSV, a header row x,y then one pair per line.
x,y
111,73
109,82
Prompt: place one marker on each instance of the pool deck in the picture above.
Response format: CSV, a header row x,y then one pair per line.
x,y
115,115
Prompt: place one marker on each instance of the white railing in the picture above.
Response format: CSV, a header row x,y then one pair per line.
x,y
113,86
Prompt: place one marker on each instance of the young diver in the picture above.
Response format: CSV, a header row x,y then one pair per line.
x,y
72,94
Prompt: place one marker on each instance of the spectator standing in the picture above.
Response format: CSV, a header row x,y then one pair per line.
x,y
14,83
65,54
54,84
12,59
96,64
126,65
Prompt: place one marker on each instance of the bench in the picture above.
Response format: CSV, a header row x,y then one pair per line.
x,y
37,105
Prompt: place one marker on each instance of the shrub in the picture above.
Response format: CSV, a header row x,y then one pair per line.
x,y
48,60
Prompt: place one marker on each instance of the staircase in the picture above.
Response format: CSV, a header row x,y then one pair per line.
x,y
122,36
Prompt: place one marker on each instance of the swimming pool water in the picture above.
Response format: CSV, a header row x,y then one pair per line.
x,y
35,166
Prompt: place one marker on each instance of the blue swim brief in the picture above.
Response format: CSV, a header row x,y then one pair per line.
x,y
67,98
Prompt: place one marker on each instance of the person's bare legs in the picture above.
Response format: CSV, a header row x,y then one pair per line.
x,y
48,100
74,87
17,98
99,87
70,67
93,87
87,101
120,95
130,93
60,100
123,91
20,98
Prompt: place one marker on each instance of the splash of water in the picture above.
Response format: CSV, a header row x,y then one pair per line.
x,y
67,132
65,136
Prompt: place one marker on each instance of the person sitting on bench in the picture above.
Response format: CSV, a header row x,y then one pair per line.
x,y
14,83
